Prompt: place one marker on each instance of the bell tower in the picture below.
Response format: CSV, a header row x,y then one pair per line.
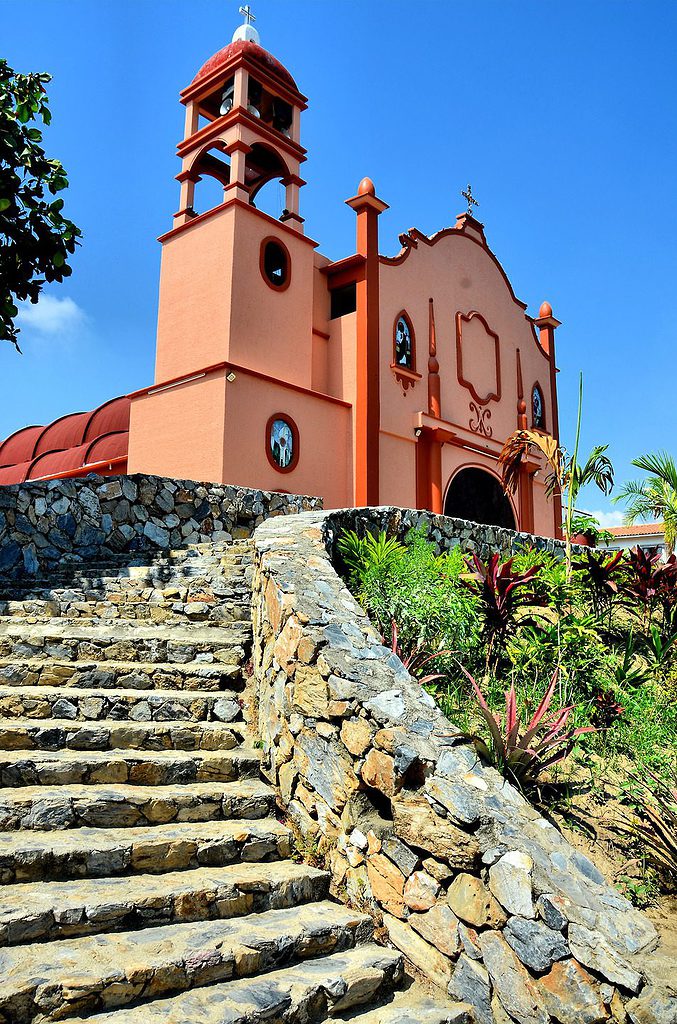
x,y
235,309
243,120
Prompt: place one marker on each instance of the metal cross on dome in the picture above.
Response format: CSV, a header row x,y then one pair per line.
x,y
246,11
470,198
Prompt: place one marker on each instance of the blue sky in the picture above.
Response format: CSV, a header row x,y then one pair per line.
x,y
558,112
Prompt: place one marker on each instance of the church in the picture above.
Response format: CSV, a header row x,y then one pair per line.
x,y
370,380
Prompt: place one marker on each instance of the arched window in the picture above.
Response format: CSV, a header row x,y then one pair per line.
x,y
537,408
404,345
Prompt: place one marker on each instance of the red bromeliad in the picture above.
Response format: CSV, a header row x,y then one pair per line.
x,y
545,741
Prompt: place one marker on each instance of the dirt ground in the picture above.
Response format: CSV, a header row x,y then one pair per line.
x,y
592,818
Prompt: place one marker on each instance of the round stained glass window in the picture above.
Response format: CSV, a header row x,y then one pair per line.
x,y
282,442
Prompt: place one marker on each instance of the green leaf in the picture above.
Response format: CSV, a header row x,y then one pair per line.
x,y
58,259
5,204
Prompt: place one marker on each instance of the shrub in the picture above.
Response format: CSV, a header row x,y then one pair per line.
x,y
418,589
503,590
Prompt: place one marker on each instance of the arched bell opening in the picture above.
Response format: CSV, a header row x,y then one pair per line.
x,y
266,177
209,175
478,496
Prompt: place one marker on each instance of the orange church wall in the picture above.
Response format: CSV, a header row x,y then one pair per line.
x,y
214,308
543,508
195,298
397,478
271,330
213,430
461,276
179,432
324,468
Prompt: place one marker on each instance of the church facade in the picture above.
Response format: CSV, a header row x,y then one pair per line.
x,y
374,379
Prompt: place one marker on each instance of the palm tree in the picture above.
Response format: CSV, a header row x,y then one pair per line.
x,y
655,497
567,474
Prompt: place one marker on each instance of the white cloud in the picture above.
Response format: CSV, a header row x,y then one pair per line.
x,y
51,317
608,519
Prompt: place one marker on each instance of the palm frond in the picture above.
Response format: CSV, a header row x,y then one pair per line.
x,y
659,464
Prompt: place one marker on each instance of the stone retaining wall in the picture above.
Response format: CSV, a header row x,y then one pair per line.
x,y
443,531
45,523
476,888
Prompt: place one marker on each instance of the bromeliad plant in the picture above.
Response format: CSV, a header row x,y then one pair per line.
x,y
416,658
503,591
522,754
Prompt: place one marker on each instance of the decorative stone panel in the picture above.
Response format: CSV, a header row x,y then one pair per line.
x,y
478,890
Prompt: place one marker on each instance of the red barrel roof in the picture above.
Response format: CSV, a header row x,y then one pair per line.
x,y
67,445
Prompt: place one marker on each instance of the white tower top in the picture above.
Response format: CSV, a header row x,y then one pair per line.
x,y
246,32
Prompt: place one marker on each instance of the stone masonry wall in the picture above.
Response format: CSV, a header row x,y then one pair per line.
x,y
443,531
45,523
479,891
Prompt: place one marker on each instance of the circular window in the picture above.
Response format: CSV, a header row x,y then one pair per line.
x,y
275,263
282,443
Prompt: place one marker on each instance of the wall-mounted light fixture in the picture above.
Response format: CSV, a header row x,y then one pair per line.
x,y
230,377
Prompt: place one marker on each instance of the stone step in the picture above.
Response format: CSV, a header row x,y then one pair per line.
x,y
91,640
309,992
46,702
100,852
125,675
414,1007
133,767
189,553
86,906
204,608
88,975
122,806
234,573
60,734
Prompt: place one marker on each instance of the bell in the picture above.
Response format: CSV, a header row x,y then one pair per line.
x,y
227,101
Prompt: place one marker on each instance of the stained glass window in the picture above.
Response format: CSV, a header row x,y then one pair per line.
x,y
281,443
537,409
404,354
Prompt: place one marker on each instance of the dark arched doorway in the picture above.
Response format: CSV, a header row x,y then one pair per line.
x,y
477,495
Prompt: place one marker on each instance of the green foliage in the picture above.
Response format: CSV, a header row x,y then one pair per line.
x,y
615,662
417,589
584,523
372,553
655,822
36,238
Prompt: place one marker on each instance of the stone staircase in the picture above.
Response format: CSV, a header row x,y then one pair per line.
x,y
144,875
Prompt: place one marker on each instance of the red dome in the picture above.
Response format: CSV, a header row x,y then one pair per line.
x,y
248,49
